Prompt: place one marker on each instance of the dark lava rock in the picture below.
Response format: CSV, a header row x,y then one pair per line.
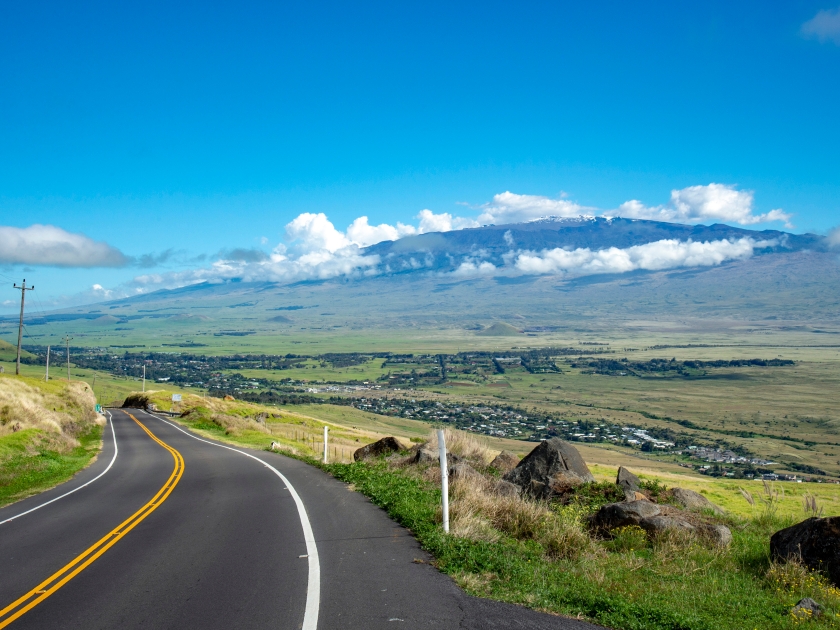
x,y
426,455
806,608
662,523
718,535
507,489
462,470
693,500
504,462
535,472
815,542
615,515
385,446
628,482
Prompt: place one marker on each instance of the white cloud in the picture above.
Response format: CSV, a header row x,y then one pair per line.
x,y
471,269
695,204
52,246
656,256
443,222
314,232
101,292
363,234
834,237
508,207
316,249
824,26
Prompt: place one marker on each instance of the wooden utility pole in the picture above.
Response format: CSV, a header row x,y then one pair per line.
x,y
23,289
67,340
47,375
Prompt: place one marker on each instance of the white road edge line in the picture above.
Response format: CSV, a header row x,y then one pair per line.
x,y
66,494
313,590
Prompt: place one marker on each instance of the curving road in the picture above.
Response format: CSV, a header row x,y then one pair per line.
x,y
167,530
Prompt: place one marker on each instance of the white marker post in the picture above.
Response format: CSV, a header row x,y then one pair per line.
x,y
444,479
325,444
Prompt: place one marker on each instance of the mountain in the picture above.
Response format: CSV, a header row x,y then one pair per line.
x,y
785,280
441,251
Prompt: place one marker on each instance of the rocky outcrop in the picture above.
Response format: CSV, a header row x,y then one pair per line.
x,y
463,471
504,462
691,500
815,542
553,465
659,524
423,454
655,520
806,608
385,446
629,483
718,535
615,515
506,489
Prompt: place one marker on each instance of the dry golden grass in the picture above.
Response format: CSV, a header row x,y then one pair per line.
x,y
464,445
478,511
61,411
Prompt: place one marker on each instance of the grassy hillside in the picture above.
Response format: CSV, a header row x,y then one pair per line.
x,y
543,556
8,352
300,428
48,432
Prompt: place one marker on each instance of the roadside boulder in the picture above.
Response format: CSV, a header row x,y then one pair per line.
x,y
504,462
537,470
815,542
628,481
563,481
463,471
506,489
661,523
615,515
385,446
426,455
718,535
691,500
806,608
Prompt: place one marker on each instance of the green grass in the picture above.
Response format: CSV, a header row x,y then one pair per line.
x,y
26,467
653,588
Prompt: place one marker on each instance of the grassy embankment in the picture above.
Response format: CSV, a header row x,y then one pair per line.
x,y
542,555
48,432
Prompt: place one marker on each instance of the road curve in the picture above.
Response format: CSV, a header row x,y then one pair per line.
x,y
226,548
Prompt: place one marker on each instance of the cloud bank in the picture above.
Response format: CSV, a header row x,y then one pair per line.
x,y
656,256
52,246
314,249
696,204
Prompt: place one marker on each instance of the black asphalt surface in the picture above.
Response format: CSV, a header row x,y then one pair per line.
x,y
226,549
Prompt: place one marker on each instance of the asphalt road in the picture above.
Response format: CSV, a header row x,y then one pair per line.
x,y
179,532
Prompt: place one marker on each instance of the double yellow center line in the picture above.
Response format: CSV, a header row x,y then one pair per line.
x,y
58,579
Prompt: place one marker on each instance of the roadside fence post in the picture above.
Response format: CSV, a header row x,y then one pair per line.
x,y
326,429
444,479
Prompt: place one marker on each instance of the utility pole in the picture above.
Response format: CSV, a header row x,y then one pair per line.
x,y
67,340
144,377
23,289
47,375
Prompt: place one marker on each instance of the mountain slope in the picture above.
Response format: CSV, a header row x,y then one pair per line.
x,y
795,278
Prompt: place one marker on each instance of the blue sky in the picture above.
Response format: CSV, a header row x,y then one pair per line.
x,y
202,129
